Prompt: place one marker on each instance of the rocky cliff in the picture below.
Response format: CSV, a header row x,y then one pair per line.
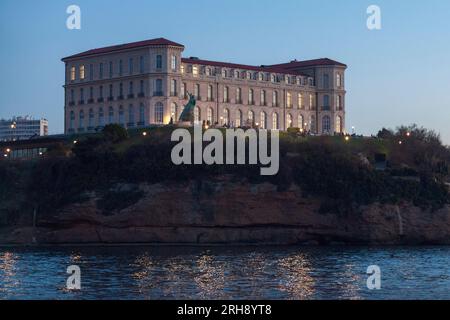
x,y
231,212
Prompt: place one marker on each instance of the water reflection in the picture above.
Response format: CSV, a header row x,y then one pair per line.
x,y
225,273
294,272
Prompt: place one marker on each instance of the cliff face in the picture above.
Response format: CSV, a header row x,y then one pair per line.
x,y
226,212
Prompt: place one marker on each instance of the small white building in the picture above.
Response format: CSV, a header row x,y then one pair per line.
x,y
21,128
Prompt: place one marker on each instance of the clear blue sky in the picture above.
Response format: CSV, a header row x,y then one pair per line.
x,y
397,75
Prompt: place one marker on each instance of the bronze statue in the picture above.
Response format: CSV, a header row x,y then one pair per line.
x,y
187,116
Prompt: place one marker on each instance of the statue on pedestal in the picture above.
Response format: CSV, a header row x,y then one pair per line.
x,y
187,116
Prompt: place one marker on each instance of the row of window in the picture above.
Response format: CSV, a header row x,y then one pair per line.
x,y
91,120
248,75
119,68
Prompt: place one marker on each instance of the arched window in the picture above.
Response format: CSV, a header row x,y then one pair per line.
x,y
275,121
300,101
121,116
301,121
338,128
210,115
72,119
81,120
312,123
174,111
159,112
111,115
326,124
251,118
238,121
130,115
91,118
141,114
101,117
197,115
226,117
289,123
263,124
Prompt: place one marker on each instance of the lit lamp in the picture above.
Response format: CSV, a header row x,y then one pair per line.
x,y
408,134
347,138
144,133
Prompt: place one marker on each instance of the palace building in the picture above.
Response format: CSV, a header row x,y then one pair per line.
x,y
148,82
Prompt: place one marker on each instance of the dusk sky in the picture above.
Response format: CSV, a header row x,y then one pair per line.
x,y
397,75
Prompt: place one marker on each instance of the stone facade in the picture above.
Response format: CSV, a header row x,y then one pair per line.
x,y
148,82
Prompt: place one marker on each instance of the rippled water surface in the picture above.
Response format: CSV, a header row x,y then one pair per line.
x,y
225,273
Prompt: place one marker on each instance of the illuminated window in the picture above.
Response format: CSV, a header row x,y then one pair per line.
x,y
72,73
225,94
301,121
195,71
289,123
251,117
275,121
311,102
182,69
209,115
289,100
224,73
263,124
82,72
300,101
226,117
263,97
261,77
173,62
197,118
238,121
338,124
210,91
338,80
174,111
